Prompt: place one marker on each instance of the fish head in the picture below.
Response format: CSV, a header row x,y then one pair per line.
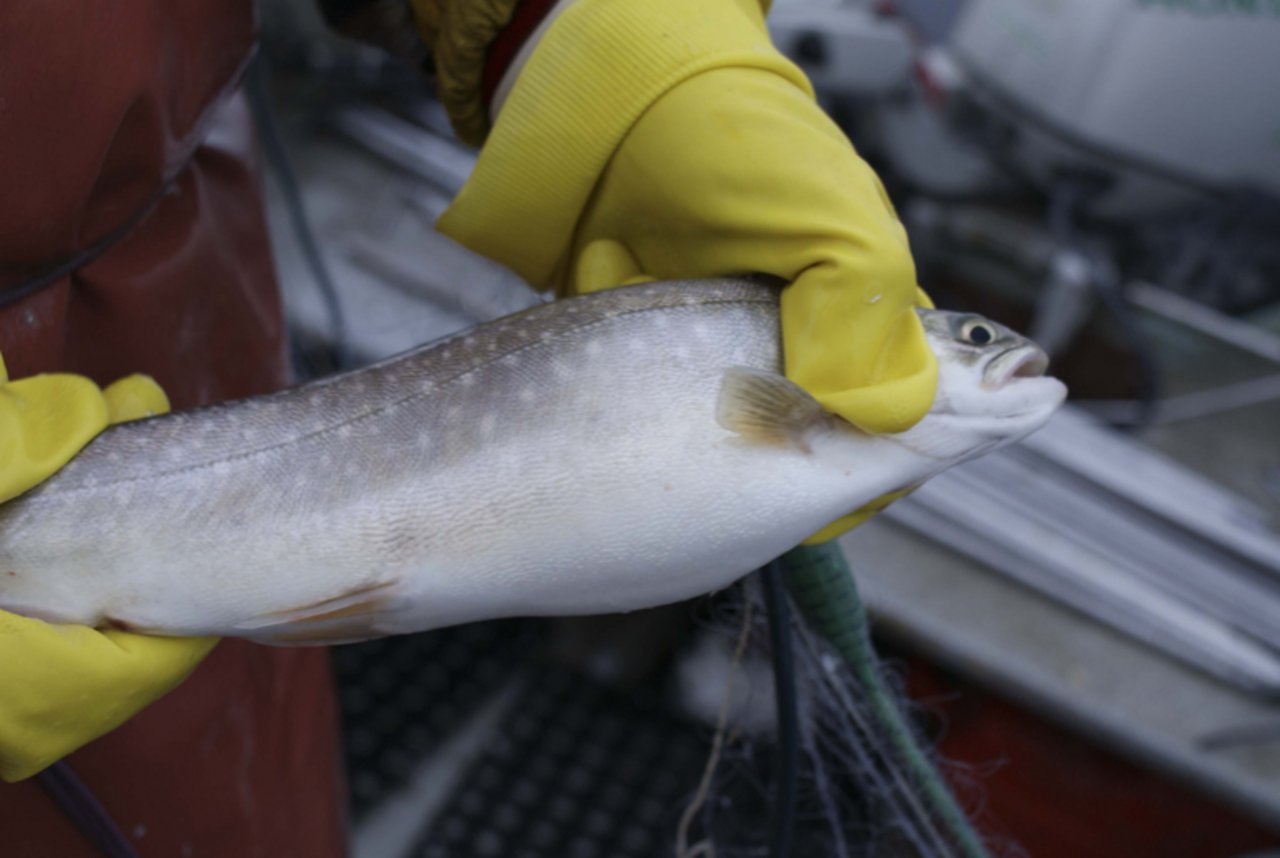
x,y
992,387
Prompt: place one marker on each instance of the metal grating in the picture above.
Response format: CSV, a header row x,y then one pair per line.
x,y
401,697
577,771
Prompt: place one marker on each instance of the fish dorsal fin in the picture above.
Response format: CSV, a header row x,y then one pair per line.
x,y
764,407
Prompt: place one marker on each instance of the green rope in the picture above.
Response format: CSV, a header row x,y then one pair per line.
x,y
821,585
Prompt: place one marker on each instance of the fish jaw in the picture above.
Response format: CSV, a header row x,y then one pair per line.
x,y
992,388
1022,361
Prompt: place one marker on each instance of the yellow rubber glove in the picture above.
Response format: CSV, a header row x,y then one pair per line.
x,y
668,139
62,686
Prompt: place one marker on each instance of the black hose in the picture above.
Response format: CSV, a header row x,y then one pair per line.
x,y
278,157
86,813
786,776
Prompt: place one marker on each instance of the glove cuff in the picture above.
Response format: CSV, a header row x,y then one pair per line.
x,y
601,64
459,34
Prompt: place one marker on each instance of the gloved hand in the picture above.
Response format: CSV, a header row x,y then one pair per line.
x,y
62,686
667,139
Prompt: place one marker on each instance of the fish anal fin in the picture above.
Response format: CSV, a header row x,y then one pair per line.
x,y
334,607
326,633
349,616
767,408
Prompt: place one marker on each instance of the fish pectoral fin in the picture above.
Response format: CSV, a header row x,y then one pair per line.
x,y
765,407
349,616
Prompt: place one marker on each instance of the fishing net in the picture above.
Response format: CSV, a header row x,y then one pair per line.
x,y
858,794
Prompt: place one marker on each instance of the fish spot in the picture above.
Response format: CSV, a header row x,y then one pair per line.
x,y
528,395
453,412
114,456
488,423
468,380
594,348
345,431
511,360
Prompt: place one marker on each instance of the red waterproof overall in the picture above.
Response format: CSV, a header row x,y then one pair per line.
x,y
132,240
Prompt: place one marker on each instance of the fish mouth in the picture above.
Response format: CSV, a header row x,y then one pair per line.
x,y
1021,361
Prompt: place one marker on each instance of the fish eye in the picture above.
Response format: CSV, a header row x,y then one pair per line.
x,y
977,333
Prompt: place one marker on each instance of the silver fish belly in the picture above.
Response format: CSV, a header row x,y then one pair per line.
x,y
569,459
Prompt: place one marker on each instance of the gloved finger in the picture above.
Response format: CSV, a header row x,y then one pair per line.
x,y
604,264
45,420
134,397
171,657
65,685
856,518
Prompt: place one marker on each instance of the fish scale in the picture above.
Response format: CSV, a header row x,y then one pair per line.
x,y
540,464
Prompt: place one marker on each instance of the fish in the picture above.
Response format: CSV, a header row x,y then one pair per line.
x,y
599,454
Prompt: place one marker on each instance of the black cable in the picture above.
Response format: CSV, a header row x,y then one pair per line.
x,y
1064,200
278,157
86,813
786,777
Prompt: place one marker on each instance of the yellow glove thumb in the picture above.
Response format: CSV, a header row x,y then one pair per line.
x,y
62,686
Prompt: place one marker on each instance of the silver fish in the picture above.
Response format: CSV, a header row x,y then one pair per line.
x,y
605,453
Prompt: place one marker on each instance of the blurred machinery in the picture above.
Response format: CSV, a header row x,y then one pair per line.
x,y
1142,137
1070,156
